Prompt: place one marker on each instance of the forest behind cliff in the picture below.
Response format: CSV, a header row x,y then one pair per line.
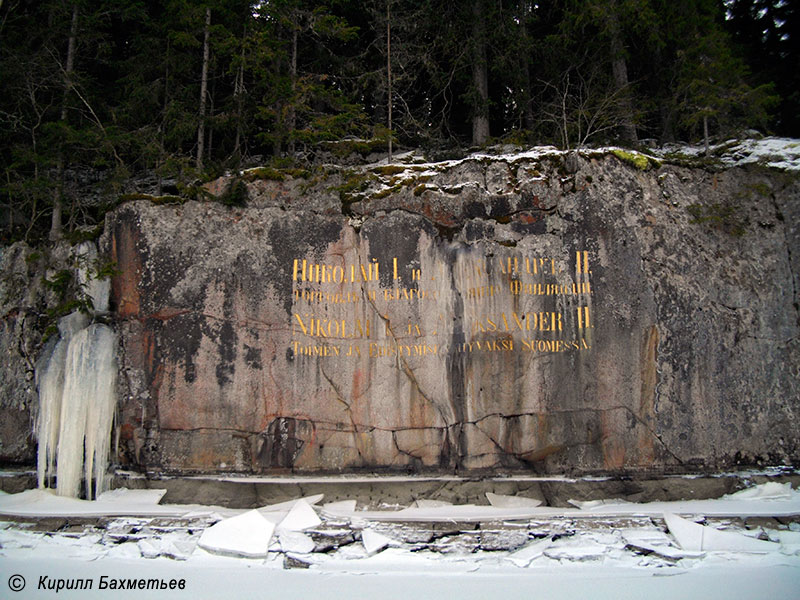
x,y
184,90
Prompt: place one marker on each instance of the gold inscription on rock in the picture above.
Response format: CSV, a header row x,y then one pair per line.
x,y
497,345
487,291
316,297
333,303
540,289
538,321
305,271
315,349
312,326
554,345
584,322
376,349
582,262
409,294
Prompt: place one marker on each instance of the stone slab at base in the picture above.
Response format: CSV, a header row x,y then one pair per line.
x,y
373,491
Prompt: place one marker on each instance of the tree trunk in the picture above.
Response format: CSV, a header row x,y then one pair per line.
x,y
210,136
293,73
667,116
619,69
162,143
201,126
58,201
480,77
280,118
389,74
705,134
238,94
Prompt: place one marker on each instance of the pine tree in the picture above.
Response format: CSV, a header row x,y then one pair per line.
x,y
767,34
711,86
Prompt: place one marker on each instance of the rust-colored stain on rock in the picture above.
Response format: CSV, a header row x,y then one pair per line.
x,y
125,284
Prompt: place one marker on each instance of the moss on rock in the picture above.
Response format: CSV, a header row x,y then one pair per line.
x,y
636,160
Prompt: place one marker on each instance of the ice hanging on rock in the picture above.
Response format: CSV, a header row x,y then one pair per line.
x,y
87,410
50,373
77,395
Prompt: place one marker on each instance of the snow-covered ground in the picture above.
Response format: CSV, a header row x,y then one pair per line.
x,y
413,171
773,152
745,545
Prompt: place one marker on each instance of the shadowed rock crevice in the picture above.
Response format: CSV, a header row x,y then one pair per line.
x,y
282,442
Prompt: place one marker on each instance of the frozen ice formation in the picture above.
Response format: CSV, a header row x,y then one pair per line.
x,y
300,517
692,536
77,402
148,496
526,555
772,490
373,541
295,542
77,396
247,535
501,501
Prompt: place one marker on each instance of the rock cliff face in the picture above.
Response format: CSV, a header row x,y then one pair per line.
x,y
536,312
18,340
481,314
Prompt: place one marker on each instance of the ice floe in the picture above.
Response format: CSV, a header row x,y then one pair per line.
x,y
247,535
502,501
373,541
301,516
698,538
525,556
295,542
562,546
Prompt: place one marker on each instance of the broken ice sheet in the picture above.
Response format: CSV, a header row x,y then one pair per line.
x,y
289,504
772,490
650,536
579,549
176,549
126,551
656,542
501,501
300,517
373,541
246,535
594,504
691,536
12,539
525,556
295,542
132,496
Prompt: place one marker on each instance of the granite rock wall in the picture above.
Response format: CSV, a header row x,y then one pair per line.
x,y
544,313
478,315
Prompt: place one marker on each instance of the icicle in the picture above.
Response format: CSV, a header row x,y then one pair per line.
x,y
51,389
100,415
73,417
87,410
77,393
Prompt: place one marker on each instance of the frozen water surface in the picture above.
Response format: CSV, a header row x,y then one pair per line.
x,y
567,553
